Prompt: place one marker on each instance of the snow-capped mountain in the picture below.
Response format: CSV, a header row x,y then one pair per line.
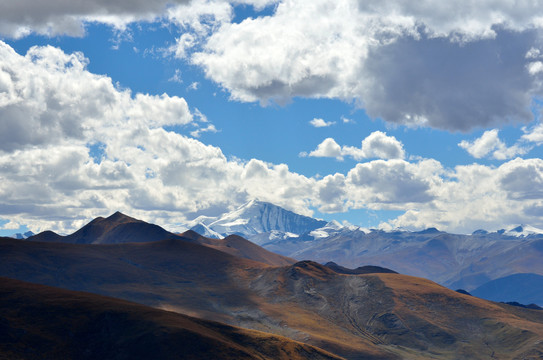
x,y
523,231
204,230
22,235
258,217
332,228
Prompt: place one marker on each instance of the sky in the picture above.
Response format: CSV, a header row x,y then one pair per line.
x,y
386,114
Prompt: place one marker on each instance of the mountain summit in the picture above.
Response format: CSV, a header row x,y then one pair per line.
x,y
257,217
117,228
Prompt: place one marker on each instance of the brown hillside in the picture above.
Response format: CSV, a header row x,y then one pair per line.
x,y
115,229
238,246
41,322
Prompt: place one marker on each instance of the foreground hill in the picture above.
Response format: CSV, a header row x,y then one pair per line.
x,y
41,322
370,316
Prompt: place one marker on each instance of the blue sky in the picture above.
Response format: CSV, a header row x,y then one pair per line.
x,y
379,113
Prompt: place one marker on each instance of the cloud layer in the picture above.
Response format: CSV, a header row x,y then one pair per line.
x,y
74,146
449,66
456,66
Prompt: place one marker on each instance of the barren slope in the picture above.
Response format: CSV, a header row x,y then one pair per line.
x,y
41,322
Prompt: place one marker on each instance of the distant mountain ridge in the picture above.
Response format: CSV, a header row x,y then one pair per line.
x,y
521,288
454,260
120,228
24,235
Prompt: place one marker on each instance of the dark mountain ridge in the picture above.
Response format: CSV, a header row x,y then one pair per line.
x,y
119,228
366,269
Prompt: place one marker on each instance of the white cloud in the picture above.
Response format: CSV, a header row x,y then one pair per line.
x,y
478,196
328,148
176,77
535,67
523,179
393,181
534,135
10,225
489,143
193,86
472,58
53,109
332,193
48,97
377,145
317,122
58,17
210,128
480,62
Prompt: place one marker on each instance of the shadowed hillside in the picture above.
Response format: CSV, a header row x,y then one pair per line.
x,y
117,228
41,322
238,246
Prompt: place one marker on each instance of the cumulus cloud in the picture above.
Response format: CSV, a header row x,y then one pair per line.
x,y
48,97
62,17
54,111
490,142
317,122
394,181
59,17
332,193
523,179
450,66
478,196
328,148
534,135
456,66
377,145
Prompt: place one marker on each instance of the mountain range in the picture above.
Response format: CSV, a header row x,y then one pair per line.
x,y
453,260
364,313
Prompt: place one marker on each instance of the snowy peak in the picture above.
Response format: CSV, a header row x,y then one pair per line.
x,y
523,231
332,228
21,236
204,230
256,217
